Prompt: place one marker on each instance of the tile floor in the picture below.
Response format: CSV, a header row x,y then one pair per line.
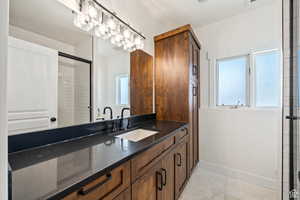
x,y
206,185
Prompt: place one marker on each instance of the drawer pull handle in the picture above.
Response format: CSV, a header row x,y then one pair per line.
x,y
187,130
180,160
83,192
195,91
195,70
159,177
165,177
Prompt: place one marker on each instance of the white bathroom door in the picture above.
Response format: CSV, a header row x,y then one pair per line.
x,y
32,87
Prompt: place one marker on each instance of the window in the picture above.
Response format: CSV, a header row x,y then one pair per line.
x,y
267,79
237,86
232,81
122,97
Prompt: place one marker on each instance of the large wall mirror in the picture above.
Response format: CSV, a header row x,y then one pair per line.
x,y
60,75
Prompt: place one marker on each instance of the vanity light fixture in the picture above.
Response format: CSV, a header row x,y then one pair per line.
x,y
93,17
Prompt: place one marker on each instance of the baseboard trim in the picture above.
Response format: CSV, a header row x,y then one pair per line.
x,y
240,175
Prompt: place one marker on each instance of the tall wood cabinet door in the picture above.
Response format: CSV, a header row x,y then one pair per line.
x,y
168,176
194,104
150,185
141,83
181,169
172,71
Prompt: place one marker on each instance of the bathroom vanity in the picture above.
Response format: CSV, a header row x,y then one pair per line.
x,y
106,166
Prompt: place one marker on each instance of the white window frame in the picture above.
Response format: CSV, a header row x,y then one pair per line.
x,y
247,89
253,75
117,89
250,81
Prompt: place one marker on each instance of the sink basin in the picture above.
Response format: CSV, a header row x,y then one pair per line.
x,y
137,135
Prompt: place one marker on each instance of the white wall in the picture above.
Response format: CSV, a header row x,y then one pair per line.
x,y
3,108
246,142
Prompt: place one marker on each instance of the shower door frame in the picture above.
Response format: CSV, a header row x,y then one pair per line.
x,y
293,102
69,56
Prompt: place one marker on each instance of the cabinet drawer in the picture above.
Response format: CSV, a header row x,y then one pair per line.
x,y
106,187
144,161
126,195
181,134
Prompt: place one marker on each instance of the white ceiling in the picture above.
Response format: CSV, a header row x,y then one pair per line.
x,y
201,13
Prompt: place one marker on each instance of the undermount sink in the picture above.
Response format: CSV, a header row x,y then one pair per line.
x,y
137,135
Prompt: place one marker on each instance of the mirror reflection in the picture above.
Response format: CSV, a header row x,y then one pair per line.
x,y
113,76
62,76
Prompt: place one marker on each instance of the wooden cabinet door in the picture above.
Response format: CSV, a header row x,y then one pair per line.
x,y
168,176
194,104
141,83
181,169
150,185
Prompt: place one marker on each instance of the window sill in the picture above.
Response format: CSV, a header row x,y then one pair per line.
x,y
242,109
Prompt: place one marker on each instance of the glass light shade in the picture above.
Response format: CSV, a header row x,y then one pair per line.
x,y
83,22
119,37
104,25
111,24
127,33
92,11
102,29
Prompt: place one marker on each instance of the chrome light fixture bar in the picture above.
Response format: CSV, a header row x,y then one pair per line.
x,y
95,18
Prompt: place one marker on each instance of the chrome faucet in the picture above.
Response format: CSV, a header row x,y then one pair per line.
x,y
111,112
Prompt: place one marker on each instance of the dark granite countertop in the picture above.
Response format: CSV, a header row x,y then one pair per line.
x,y
51,172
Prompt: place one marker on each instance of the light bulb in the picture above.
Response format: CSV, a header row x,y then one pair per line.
x,y
111,24
92,11
114,41
83,22
126,33
119,37
102,29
